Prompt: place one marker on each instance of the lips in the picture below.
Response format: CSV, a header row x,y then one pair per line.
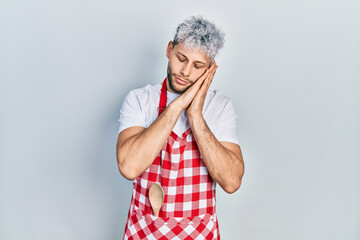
x,y
181,81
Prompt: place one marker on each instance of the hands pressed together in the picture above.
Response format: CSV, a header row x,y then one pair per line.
x,y
193,98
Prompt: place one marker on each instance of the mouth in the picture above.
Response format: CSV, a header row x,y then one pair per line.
x,y
181,81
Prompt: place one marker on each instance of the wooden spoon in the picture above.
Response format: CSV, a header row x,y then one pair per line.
x,y
156,197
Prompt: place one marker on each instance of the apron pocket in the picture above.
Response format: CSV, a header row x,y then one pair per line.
x,y
172,222
142,225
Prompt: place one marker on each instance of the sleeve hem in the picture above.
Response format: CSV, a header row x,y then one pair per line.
x,y
232,140
132,125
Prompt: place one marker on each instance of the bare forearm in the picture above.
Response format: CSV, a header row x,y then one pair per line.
x,y
225,166
138,152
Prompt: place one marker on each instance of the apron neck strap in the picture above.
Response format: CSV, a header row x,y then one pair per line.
x,y
163,97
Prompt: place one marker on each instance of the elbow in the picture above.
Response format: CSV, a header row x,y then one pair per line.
x,y
235,184
127,173
232,187
125,170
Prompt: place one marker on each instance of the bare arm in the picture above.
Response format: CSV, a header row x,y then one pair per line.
x,y
223,159
137,147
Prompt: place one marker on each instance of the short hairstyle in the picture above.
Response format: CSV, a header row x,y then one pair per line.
x,y
197,32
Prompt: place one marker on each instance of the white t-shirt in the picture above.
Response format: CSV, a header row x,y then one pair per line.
x,y
140,108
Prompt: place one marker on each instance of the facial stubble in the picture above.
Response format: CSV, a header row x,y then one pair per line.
x,y
171,82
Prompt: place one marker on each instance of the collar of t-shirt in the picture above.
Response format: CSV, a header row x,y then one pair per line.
x,y
171,97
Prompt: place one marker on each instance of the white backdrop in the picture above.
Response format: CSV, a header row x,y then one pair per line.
x,y
290,67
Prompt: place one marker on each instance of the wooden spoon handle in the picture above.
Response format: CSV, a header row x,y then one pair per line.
x,y
156,212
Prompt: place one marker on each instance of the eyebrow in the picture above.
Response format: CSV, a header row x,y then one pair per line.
x,y
200,62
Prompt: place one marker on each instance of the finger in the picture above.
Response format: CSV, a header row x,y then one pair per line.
x,y
205,86
204,75
202,79
198,84
212,73
210,78
209,81
211,69
213,64
195,87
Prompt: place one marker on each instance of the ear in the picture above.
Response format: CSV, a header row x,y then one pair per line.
x,y
169,48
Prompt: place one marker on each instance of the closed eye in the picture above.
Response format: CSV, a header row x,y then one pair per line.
x,y
198,66
181,59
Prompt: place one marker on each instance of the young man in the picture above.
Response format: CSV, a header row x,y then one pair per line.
x,y
182,136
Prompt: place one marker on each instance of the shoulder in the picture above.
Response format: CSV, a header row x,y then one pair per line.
x,y
218,95
149,93
218,107
216,99
142,98
147,90
139,107
221,117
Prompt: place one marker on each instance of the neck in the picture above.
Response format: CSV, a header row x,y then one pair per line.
x,y
168,88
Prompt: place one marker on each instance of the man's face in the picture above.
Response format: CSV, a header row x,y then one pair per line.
x,y
185,67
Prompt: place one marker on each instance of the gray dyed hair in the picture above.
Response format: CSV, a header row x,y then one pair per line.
x,y
197,32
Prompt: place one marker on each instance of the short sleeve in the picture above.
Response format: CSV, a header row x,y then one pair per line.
x,y
131,112
227,128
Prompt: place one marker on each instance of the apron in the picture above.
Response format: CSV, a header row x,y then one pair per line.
x,y
188,211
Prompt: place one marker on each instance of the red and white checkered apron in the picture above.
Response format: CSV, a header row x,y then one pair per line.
x,y
188,211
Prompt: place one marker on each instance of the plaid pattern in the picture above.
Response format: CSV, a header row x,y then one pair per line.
x,y
188,211
146,226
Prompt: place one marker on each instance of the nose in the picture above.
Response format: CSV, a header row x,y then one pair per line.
x,y
186,70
